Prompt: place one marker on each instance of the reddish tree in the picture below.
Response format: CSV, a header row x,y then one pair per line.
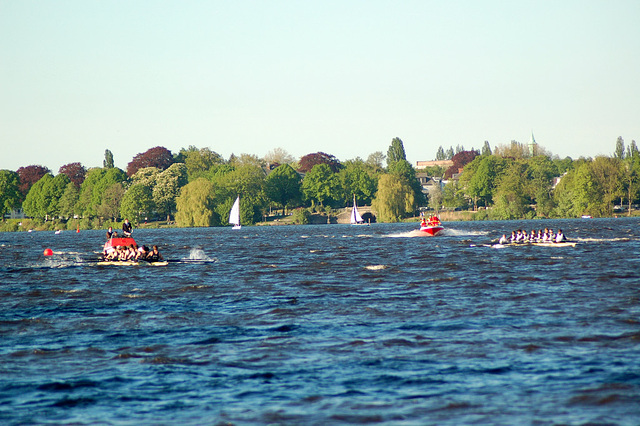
x,y
159,157
460,160
308,161
28,176
75,172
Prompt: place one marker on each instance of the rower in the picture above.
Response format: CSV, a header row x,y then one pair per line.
x,y
503,239
154,255
560,236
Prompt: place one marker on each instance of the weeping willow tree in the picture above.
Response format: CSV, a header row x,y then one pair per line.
x,y
195,205
395,198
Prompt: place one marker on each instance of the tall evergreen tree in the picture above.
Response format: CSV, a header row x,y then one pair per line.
x,y
486,149
449,154
395,152
619,152
107,163
440,155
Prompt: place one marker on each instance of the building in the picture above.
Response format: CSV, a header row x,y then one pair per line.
x,y
441,163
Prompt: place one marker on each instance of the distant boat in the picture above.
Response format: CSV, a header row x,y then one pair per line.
x,y
356,219
234,215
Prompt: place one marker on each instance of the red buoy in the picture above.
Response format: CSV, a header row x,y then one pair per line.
x,y
48,252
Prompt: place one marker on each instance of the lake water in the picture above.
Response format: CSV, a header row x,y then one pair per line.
x,y
327,324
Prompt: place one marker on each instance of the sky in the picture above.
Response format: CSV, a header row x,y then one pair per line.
x,y
343,77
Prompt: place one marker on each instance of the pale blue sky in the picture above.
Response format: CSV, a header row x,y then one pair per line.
x,y
343,77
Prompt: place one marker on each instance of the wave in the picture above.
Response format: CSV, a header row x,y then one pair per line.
x,y
198,255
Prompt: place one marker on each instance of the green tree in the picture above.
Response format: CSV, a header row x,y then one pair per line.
x,y
110,177
540,173
283,186
94,186
510,200
404,170
68,202
199,161
108,159
436,198
440,154
247,181
42,199
85,206
35,204
608,178
137,203
480,178
375,161
356,180
619,152
631,178
486,148
111,200
394,198
453,196
146,176
449,154
321,185
167,188
278,156
632,150
10,195
395,152
195,205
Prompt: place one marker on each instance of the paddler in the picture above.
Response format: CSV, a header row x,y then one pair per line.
x,y
111,233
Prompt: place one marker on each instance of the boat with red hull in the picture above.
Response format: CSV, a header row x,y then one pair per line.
x,y
432,226
431,230
117,242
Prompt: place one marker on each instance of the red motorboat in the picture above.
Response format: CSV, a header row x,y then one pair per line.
x,y
432,226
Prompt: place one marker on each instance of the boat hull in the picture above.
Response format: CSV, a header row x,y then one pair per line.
x,y
130,263
431,230
116,242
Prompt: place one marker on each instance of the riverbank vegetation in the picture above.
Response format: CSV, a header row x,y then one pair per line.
x,y
196,187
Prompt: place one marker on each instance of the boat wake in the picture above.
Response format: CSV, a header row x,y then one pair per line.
x,y
602,240
447,232
409,234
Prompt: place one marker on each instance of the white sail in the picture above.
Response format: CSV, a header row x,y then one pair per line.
x,y
355,216
234,215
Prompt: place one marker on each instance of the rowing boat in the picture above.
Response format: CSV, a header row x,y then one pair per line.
x,y
548,244
130,263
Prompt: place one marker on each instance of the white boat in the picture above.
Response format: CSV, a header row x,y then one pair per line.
x,y
356,219
234,215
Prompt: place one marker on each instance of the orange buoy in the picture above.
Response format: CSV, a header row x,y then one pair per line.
x,y
48,252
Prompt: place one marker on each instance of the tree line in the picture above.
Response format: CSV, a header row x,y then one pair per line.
x,y
196,186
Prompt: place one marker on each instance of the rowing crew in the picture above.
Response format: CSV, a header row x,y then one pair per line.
x,y
132,253
541,236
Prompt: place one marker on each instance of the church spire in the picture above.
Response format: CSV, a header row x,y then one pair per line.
x,y
532,145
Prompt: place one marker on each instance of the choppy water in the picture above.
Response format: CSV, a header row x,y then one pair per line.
x,y
324,325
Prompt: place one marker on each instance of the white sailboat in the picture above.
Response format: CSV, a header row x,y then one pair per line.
x,y
234,215
356,219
